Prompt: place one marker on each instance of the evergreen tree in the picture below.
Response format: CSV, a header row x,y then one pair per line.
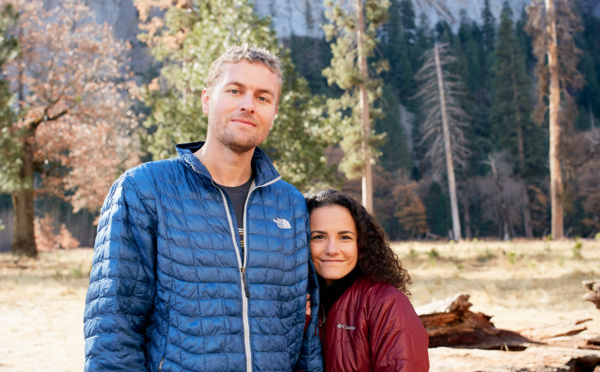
x,y
194,34
488,27
399,49
355,41
514,129
588,98
436,207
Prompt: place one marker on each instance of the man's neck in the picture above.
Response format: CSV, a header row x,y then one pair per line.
x,y
226,167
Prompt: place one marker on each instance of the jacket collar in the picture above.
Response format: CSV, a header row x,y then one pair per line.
x,y
329,295
263,170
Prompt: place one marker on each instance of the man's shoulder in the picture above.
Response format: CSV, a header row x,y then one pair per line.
x,y
282,188
152,170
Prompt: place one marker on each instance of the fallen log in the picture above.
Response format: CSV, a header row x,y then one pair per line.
x,y
593,295
450,323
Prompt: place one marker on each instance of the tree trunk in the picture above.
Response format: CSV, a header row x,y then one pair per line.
x,y
556,185
22,199
24,235
504,223
367,178
467,216
456,235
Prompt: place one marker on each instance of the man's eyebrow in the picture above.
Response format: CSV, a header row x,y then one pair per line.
x,y
240,85
268,91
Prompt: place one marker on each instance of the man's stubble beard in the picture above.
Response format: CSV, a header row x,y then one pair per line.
x,y
229,140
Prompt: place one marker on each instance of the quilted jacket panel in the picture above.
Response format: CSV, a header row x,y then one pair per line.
x,y
166,287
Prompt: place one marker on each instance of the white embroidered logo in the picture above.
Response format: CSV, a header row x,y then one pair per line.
x,y
346,327
282,223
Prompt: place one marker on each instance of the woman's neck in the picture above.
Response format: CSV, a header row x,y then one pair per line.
x,y
330,294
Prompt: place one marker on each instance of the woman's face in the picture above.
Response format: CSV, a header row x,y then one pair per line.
x,y
333,242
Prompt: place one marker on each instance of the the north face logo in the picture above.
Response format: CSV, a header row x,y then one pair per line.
x,y
282,223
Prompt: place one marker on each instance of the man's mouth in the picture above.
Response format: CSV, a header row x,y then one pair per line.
x,y
244,121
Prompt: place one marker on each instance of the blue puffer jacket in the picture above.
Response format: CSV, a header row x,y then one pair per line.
x,y
168,290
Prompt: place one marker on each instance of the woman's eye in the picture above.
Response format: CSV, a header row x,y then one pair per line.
x,y
346,237
317,237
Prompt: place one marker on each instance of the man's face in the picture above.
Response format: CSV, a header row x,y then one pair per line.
x,y
241,105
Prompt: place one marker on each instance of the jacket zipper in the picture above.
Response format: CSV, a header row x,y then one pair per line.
x,y
243,282
242,266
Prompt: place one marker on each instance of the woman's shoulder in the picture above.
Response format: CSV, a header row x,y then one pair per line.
x,y
379,289
383,294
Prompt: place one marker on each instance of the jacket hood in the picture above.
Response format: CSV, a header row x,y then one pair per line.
x,y
262,168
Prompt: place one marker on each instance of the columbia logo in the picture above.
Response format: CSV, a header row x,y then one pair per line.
x,y
346,327
282,223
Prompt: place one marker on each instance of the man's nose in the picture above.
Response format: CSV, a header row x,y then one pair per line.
x,y
247,103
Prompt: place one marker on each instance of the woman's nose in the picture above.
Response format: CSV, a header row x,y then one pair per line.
x,y
332,248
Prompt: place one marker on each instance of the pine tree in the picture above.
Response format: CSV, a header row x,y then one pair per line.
x,y
512,108
589,98
355,41
194,34
436,209
552,24
488,27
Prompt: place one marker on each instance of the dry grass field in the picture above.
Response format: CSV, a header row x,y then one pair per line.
x,y
522,284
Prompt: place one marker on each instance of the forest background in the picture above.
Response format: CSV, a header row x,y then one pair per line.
x,y
79,106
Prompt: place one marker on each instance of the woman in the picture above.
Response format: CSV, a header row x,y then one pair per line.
x,y
366,322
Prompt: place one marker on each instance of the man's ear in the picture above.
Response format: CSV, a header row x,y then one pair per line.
x,y
205,100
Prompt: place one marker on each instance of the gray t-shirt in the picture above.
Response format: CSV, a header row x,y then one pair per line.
x,y
238,195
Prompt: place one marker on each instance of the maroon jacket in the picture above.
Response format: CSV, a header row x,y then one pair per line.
x,y
373,327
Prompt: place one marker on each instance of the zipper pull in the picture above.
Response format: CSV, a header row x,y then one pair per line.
x,y
245,283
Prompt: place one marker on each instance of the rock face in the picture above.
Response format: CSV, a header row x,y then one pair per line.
x,y
289,16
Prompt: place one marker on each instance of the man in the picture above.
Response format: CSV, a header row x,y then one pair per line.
x,y
201,262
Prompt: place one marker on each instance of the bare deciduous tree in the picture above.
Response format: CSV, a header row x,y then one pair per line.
x,y
444,121
74,124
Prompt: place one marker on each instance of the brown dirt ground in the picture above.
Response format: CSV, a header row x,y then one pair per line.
x,y
522,284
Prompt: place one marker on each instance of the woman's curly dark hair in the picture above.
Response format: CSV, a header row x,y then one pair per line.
x,y
375,257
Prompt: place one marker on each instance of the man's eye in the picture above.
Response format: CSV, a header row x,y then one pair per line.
x,y
263,99
234,91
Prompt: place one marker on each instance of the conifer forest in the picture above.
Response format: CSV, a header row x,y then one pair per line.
x,y
486,127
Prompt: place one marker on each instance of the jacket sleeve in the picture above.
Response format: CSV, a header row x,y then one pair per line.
x,y
398,339
310,352
122,282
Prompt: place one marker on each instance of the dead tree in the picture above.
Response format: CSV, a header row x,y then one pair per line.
x,y
444,121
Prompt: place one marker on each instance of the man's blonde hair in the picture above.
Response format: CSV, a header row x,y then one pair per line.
x,y
236,53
